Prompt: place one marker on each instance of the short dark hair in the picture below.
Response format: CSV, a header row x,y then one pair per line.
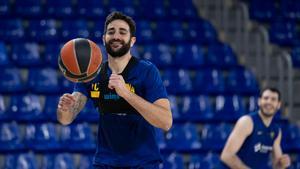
x,y
119,15
272,89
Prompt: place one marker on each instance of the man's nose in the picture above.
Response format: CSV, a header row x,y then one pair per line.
x,y
117,36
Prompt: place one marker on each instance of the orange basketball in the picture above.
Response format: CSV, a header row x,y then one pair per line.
x,y
80,60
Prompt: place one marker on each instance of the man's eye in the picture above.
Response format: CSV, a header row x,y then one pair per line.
x,y
110,33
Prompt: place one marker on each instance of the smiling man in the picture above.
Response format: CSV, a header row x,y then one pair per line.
x,y
131,99
255,139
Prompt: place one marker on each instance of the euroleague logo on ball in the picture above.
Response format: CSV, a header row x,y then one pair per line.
x,y
80,60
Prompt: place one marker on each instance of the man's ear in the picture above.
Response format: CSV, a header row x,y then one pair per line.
x,y
132,41
279,105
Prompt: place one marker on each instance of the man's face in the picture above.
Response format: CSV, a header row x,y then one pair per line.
x,y
117,38
269,103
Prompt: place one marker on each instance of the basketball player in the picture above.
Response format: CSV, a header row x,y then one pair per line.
x,y
256,137
131,99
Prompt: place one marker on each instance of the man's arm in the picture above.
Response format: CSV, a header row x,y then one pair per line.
x,y
241,131
280,160
69,106
157,113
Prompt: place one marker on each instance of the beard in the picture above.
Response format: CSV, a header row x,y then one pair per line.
x,y
119,52
268,113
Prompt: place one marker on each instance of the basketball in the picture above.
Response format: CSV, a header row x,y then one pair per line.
x,y
80,60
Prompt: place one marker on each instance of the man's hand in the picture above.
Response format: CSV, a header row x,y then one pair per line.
x,y
66,103
117,82
284,161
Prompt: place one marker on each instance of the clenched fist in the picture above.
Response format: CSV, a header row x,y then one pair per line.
x,y
66,103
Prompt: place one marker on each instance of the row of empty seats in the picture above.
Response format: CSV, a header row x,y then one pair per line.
x,y
36,108
282,17
165,9
29,160
268,10
189,55
206,81
51,30
80,138
80,161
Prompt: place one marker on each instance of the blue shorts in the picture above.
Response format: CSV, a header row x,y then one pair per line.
x,y
146,166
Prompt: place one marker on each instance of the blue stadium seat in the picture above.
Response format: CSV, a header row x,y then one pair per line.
x,y
10,137
91,9
4,58
175,31
44,81
5,7
290,9
78,138
97,31
151,10
127,9
296,56
59,9
229,108
252,104
183,138
214,136
189,56
4,115
30,8
145,31
159,54
160,138
177,81
41,137
66,85
51,53
283,32
12,30
50,107
184,10
198,162
209,81
71,29
241,81
86,162
44,30
27,54
263,11
26,108
221,56
174,107
64,161
11,81
21,161
89,113
173,161
214,161
201,32
114,3
196,108
290,137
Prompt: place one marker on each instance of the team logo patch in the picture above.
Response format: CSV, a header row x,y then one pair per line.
x,y
95,93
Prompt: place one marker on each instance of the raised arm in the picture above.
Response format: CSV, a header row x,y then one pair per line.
x,y
241,131
280,160
69,106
